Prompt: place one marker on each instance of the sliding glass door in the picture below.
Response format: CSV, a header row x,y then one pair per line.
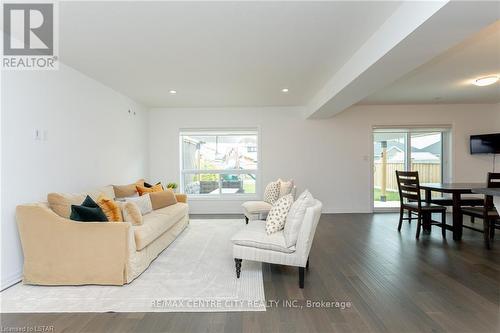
x,y
426,156
417,149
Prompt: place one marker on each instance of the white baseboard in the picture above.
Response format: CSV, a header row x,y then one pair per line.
x,y
11,280
346,211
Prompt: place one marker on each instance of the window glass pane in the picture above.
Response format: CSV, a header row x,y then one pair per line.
x,y
219,163
426,157
238,184
219,152
201,183
389,155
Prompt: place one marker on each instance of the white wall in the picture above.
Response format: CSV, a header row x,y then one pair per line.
x,y
91,141
329,157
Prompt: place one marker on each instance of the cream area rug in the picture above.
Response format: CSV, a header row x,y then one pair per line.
x,y
196,273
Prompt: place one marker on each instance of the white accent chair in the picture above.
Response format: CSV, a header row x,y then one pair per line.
x,y
258,210
253,243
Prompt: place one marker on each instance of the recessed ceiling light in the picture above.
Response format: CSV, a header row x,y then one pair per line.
x,y
486,80
284,90
173,92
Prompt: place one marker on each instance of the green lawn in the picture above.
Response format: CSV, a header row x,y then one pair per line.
x,y
249,187
390,196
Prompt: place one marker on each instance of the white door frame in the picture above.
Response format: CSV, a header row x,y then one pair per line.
x,y
446,158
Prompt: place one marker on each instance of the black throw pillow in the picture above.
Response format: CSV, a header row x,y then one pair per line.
x,y
88,211
88,202
148,185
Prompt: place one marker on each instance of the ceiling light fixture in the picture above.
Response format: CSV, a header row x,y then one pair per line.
x,y
284,90
486,80
173,92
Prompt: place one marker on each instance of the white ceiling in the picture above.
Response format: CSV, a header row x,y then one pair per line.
x,y
447,78
218,53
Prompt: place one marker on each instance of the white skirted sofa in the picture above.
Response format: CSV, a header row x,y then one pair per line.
x,y
253,243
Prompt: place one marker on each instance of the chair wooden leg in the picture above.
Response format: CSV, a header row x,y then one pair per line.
x,y
427,222
486,233
419,225
409,216
472,220
401,213
246,220
238,267
301,277
443,224
492,230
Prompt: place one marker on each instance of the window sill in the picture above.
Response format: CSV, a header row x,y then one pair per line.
x,y
249,197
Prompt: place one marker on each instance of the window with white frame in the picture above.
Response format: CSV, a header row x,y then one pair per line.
x,y
219,163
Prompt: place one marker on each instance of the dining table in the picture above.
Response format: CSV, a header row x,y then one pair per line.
x,y
456,190
494,192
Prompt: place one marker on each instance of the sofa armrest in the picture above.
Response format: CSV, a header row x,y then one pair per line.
x,y
181,197
58,251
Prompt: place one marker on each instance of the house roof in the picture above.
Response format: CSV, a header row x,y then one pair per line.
x,y
429,153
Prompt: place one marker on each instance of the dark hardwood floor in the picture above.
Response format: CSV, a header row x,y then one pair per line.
x,y
393,282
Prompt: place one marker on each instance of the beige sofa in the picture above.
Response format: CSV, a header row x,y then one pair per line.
x,y
59,251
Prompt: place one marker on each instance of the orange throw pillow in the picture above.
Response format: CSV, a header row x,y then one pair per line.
x,y
110,209
144,190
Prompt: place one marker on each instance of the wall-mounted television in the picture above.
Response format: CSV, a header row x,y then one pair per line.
x,y
485,144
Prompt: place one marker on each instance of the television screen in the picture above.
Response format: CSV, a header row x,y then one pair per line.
x,y
485,144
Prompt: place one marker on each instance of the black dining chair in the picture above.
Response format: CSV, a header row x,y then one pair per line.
x,y
488,213
410,200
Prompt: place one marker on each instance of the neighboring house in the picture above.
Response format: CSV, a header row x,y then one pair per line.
x,y
396,153
417,157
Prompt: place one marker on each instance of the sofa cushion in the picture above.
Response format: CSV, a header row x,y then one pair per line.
x,y
157,222
148,185
143,202
107,191
272,192
162,199
61,203
285,187
142,190
129,190
177,211
88,211
110,208
277,215
181,197
255,207
131,213
254,235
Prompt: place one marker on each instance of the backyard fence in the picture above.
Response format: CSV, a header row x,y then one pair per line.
x,y
427,172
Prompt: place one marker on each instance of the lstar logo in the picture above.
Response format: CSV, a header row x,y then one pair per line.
x,y
29,40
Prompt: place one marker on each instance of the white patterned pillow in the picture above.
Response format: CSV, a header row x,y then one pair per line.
x,y
277,215
285,187
272,192
143,202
